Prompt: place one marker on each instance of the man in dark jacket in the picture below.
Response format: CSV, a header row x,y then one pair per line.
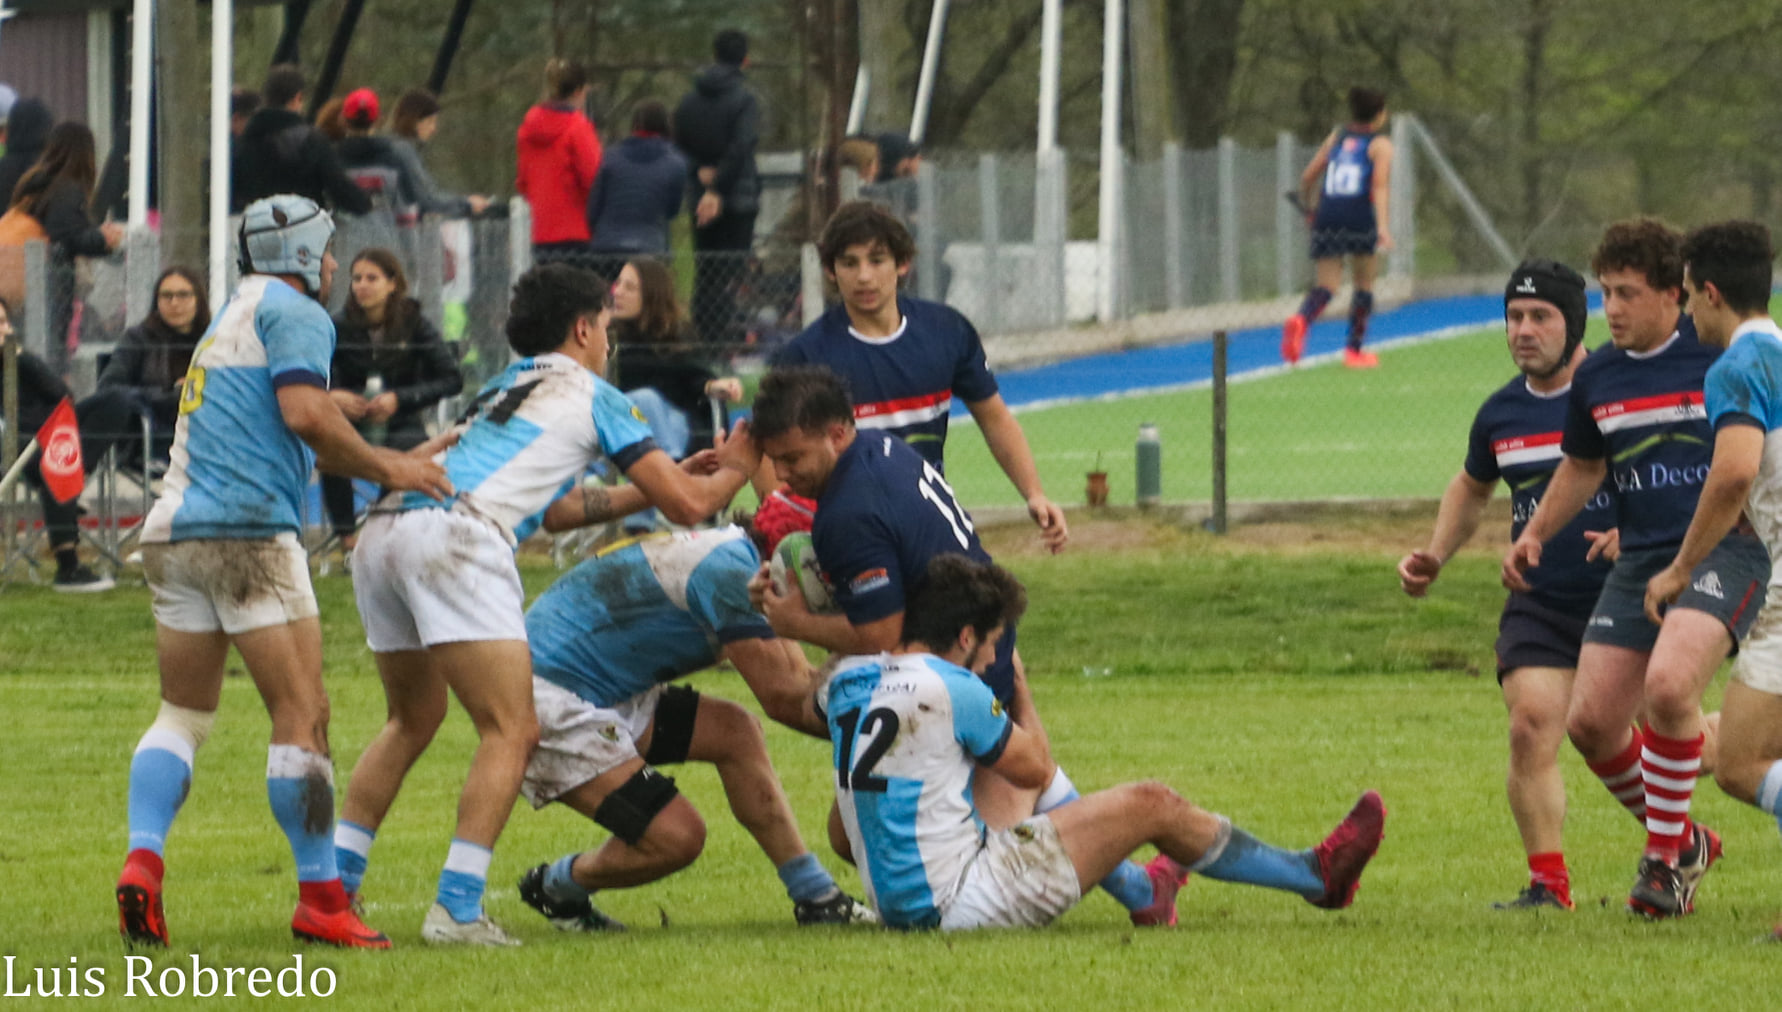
x,y
280,152
637,191
26,131
718,125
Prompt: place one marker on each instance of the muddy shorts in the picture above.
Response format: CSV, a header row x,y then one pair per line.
x,y
1022,877
233,585
429,576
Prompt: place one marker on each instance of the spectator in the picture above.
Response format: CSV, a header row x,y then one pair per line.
x,y
27,130
660,362
148,368
412,125
718,125
638,190
559,156
8,98
243,102
382,334
280,153
99,417
373,165
55,191
899,157
331,120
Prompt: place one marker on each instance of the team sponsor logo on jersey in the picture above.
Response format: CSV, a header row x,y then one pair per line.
x,y
1709,583
995,707
869,581
1540,446
637,413
1663,409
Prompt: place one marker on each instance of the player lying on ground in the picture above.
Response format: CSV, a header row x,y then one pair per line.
x,y
605,639
909,730
884,511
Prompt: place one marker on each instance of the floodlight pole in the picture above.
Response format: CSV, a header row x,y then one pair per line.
x,y
857,106
1051,41
937,29
1112,46
222,62
142,75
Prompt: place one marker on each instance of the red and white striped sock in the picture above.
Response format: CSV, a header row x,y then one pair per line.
x,y
1621,775
1669,767
1549,869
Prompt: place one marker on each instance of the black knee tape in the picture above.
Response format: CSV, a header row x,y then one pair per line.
x,y
673,735
628,811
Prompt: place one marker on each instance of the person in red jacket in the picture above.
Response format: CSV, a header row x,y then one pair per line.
x,y
559,154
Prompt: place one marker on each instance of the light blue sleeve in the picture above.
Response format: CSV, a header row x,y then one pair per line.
x,y
718,593
298,336
980,724
1744,383
623,433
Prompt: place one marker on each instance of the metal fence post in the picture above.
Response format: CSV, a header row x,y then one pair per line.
x,y
1175,275
1229,266
1402,261
1050,233
519,238
430,268
37,300
142,262
810,272
990,222
1218,522
1286,181
928,238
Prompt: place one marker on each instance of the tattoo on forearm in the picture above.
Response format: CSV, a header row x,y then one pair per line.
x,y
597,504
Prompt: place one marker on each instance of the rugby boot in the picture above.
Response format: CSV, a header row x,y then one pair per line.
x,y
1694,862
582,916
1537,895
343,929
1356,358
1658,892
140,920
1293,339
1346,851
440,929
837,909
1167,876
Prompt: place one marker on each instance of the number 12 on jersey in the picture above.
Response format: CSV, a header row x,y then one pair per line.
x,y
879,730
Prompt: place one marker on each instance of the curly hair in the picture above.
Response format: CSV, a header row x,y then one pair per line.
x,y
547,301
958,593
1735,257
808,397
862,222
1646,245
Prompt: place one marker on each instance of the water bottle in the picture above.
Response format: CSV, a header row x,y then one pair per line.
x,y
374,432
1150,465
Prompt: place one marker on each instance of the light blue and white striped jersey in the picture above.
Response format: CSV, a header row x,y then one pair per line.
x,y
907,733
532,432
238,471
645,611
1744,387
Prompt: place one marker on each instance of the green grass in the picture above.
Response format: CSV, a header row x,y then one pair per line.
x,y
1269,686
1315,433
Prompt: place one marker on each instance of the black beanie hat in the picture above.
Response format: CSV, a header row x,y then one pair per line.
x,y
1554,282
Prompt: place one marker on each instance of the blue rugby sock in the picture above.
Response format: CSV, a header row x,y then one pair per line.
x,y
160,779
1361,309
1769,793
1236,856
352,852
560,884
1314,303
462,881
300,788
805,880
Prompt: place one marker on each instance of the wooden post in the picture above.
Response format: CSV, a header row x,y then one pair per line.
x,y
1218,522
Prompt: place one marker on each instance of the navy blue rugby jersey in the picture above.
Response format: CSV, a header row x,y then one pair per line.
x,y
885,512
1346,196
1644,414
1516,437
903,384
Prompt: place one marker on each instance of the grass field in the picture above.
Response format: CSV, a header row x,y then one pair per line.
x,y
1320,431
1270,676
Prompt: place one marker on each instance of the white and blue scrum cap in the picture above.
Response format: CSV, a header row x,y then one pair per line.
x,y
285,234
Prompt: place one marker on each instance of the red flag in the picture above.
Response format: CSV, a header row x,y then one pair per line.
x,y
59,444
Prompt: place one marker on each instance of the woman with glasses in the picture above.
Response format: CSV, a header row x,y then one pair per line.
x,y
149,365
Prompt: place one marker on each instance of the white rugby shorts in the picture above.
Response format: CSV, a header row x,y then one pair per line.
x,y
1759,663
428,576
1021,878
578,741
235,585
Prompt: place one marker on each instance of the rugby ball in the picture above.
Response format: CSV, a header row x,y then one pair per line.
x,y
795,560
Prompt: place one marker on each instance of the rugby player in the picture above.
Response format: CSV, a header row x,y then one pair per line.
x,y
1351,178
1636,418
439,592
1727,273
1515,437
608,639
221,553
909,730
884,511
905,359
